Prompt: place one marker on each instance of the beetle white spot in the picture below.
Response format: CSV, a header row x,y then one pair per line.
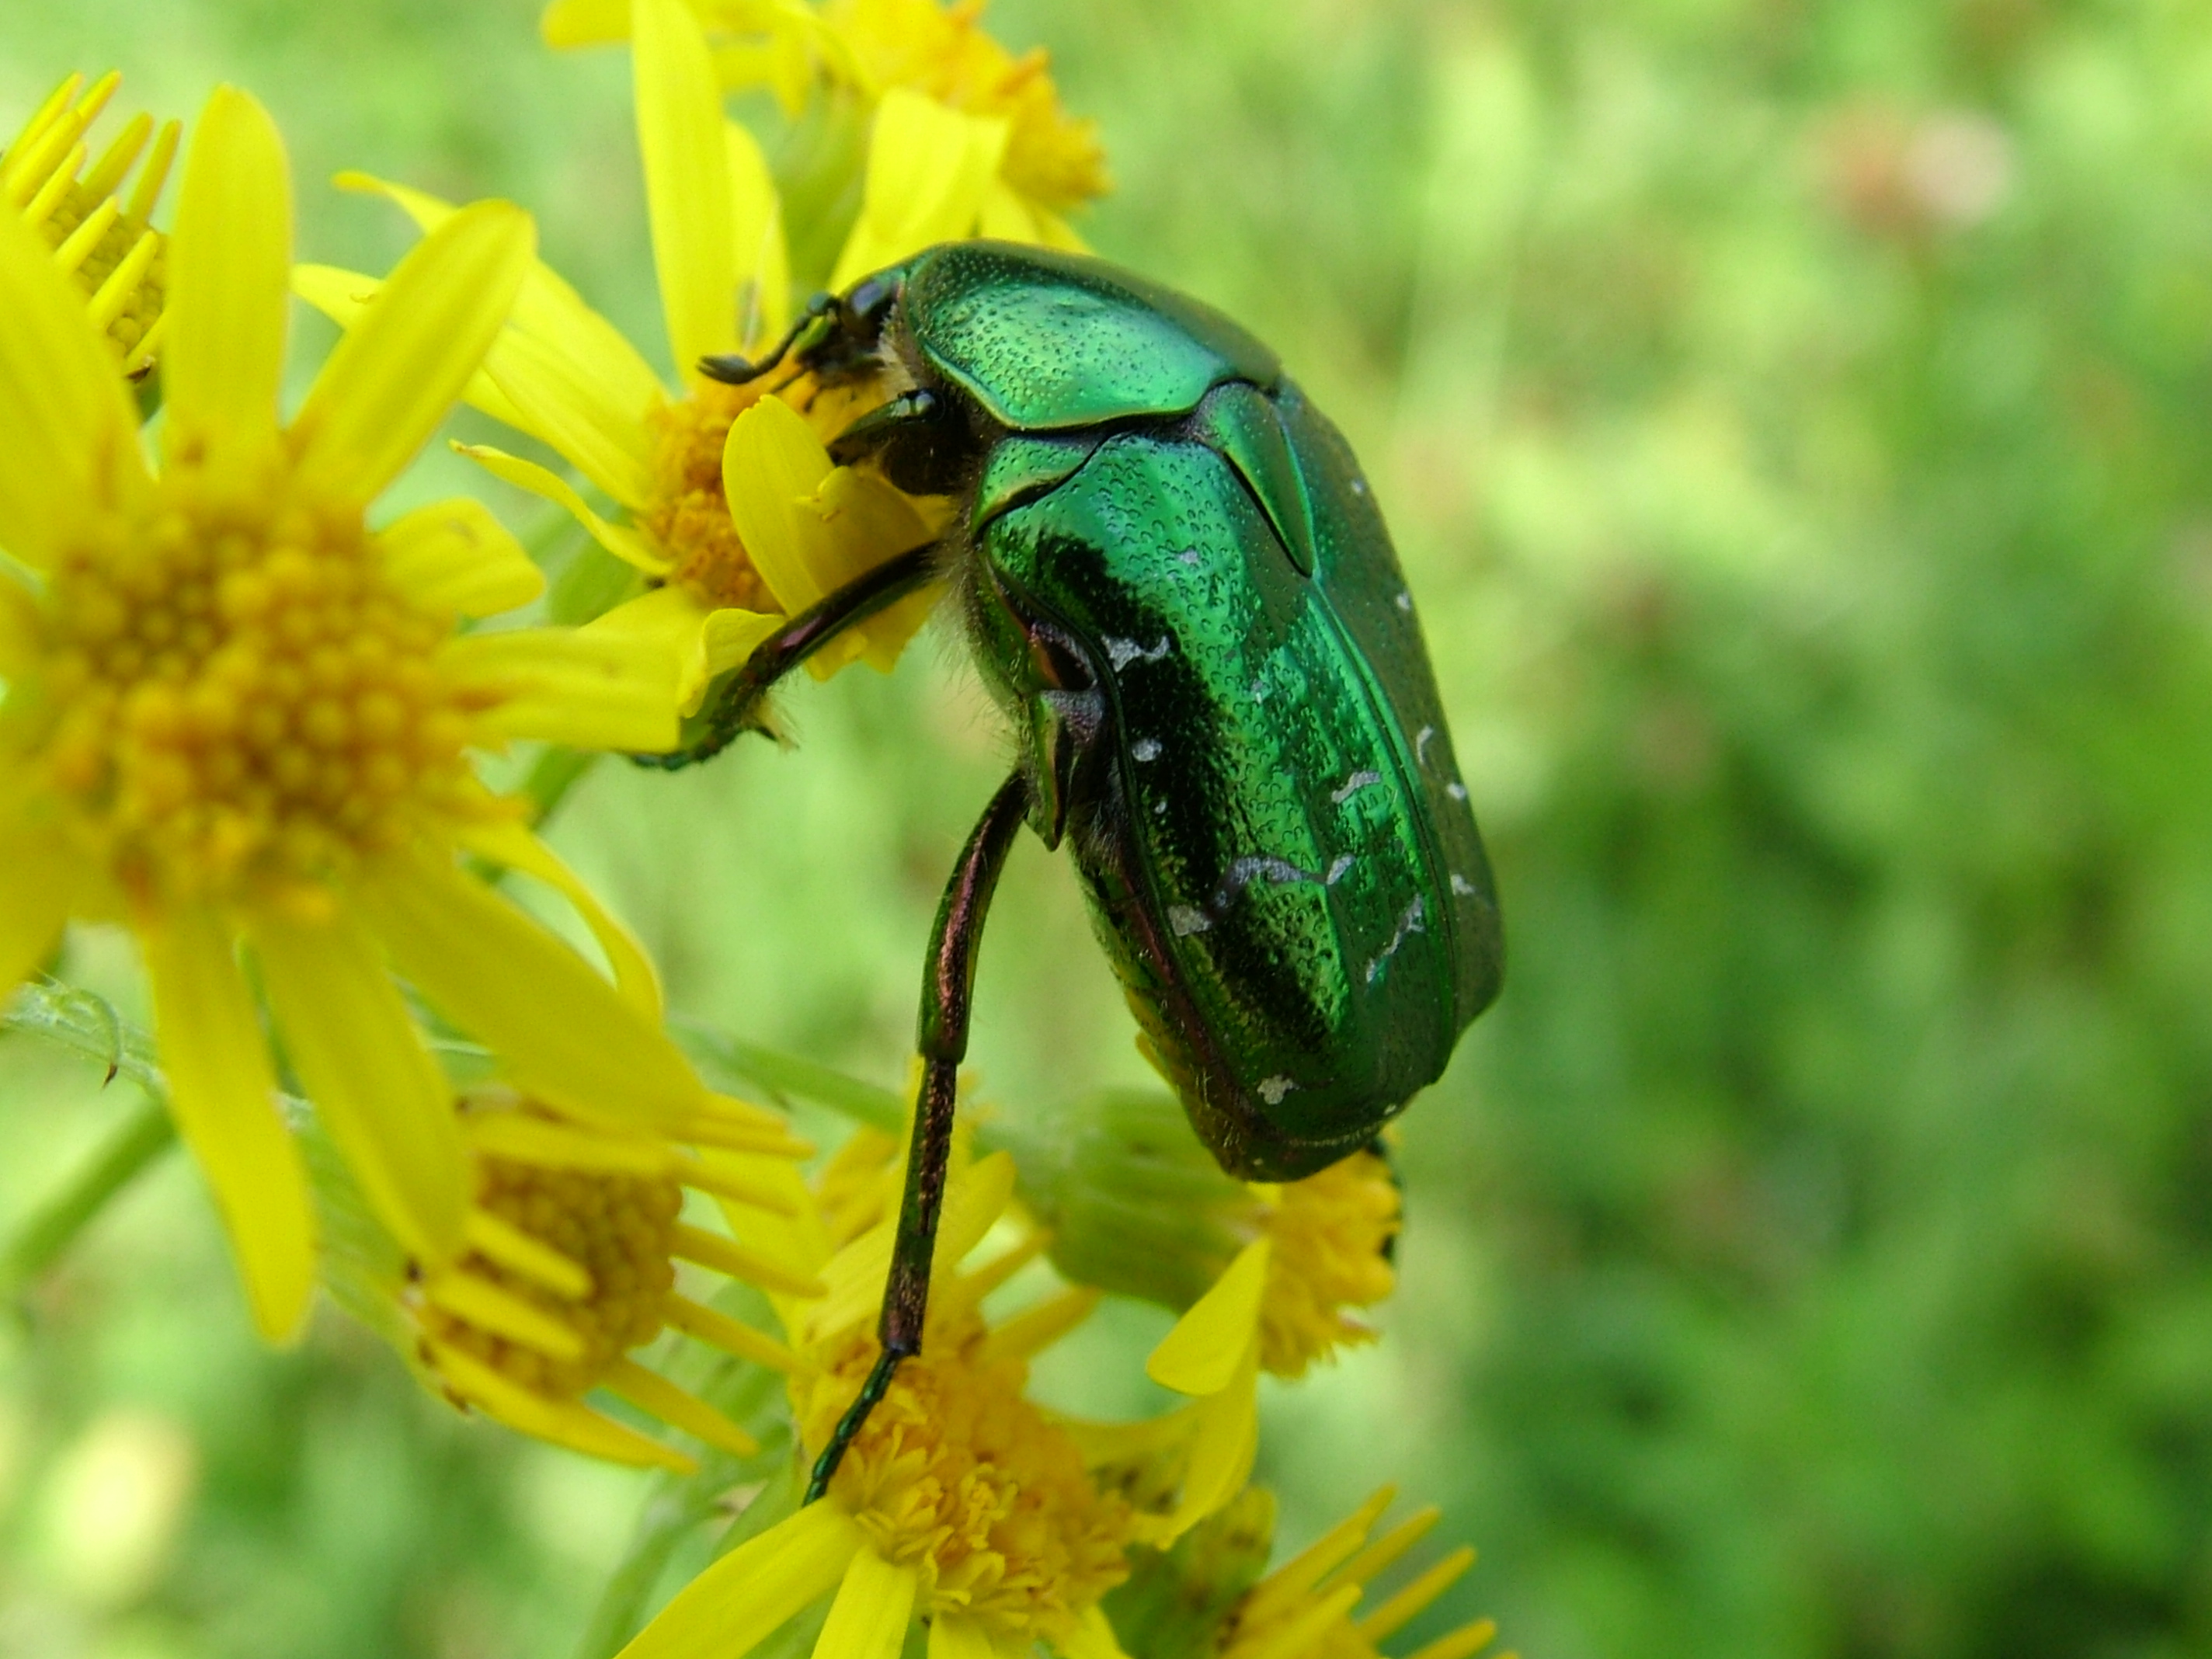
x,y
1259,690
1191,556
1146,749
1456,790
1359,486
1272,1089
1353,785
1404,601
1422,740
1463,887
1186,921
1339,870
1160,809
1409,925
1122,652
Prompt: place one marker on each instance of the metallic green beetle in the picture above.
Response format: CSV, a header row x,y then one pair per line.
x,y
1177,583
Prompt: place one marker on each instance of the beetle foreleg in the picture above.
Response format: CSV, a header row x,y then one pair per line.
x,y
947,991
736,701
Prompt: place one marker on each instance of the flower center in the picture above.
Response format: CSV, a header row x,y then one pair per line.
x,y
959,1477
239,691
1331,1234
688,514
618,1228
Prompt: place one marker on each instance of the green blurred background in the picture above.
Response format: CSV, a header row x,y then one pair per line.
x,y
1793,414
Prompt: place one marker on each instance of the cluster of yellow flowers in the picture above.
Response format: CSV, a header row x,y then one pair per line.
x,y
241,720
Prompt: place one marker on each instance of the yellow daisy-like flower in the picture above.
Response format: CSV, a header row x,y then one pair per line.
x,y
1305,1609
102,241
569,1265
236,713
1321,1248
960,1503
1027,162
730,504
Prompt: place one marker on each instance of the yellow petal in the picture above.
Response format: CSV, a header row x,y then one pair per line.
x,y
671,620
564,1033
1005,216
763,265
379,1092
687,184
22,629
1222,1447
39,879
929,169
505,842
868,1619
343,296
585,22
772,464
864,522
564,685
563,402
954,1636
394,378
678,1408
230,269
620,540
609,385
1094,1636
733,1606
69,439
454,556
730,636
224,1101
563,1422
1202,1353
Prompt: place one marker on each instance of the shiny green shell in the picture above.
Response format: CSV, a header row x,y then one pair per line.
x,y
1250,763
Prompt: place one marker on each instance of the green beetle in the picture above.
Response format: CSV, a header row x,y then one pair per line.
x,y
1177,583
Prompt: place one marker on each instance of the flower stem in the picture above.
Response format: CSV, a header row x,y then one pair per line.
x,y
81,1021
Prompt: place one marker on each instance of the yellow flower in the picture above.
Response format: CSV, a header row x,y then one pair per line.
x,y
236,713
104,242
1033,161
1303,1610
571,1243
961,1501
1322,1246
729,502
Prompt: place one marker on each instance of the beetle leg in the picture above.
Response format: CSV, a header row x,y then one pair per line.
x,y
917,439
737,702
946,992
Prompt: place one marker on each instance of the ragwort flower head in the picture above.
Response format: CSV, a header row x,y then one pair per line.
x,y
569,1266
1305,1609
102,240
1268,1277
960,1503
235,713
727,501
1028,161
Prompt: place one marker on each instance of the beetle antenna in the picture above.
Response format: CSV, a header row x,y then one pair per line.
x,y
734,369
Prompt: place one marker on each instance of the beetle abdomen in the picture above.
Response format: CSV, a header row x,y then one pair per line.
x,y
1258,860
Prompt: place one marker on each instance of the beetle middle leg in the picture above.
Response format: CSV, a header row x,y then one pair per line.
x,y
737,700
948,987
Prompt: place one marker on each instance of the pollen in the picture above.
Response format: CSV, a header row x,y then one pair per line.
x,y
1330,1240
960,1478
242,700
688,514
619,1230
